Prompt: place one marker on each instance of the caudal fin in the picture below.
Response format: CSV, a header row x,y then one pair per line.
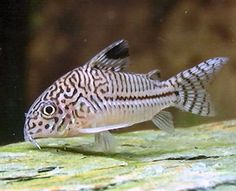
x,y
190,87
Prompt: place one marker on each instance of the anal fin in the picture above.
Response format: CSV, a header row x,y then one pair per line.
x,y
164,121
105,141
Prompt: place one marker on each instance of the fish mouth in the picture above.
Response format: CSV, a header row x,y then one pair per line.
x,y
29,138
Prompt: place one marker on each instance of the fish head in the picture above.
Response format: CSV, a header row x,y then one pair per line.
x,y
45,118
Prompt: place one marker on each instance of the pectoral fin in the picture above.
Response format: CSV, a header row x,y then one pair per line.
x,y
105,141
101,129
164,121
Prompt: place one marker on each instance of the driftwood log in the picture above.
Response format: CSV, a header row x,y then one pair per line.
x,y
196,158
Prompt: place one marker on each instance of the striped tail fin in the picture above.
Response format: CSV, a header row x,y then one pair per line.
x,y
190,87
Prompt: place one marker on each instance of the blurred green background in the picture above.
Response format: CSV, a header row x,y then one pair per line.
x,y
41,40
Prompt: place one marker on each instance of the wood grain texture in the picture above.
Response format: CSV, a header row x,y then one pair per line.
x,y
195,158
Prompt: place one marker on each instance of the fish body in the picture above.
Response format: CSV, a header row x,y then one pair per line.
x,y
101,96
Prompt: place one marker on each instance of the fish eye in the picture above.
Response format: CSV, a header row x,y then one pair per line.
x,y
48,110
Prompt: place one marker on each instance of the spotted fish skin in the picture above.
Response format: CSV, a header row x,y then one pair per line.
x,y
101,96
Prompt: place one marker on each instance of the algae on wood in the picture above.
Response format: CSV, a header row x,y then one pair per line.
x,y
196,158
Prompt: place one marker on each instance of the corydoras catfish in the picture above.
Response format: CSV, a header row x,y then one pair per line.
x,y
101,96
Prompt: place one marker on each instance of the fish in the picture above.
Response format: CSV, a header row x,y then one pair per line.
x,y
102,95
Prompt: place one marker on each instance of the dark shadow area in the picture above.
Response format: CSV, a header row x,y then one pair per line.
x,y
13,42
80,149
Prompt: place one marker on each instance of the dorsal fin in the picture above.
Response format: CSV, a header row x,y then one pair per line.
x,y
154,74
113,57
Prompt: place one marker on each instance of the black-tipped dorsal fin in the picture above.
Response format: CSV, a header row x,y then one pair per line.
x,y
154,74
114,57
